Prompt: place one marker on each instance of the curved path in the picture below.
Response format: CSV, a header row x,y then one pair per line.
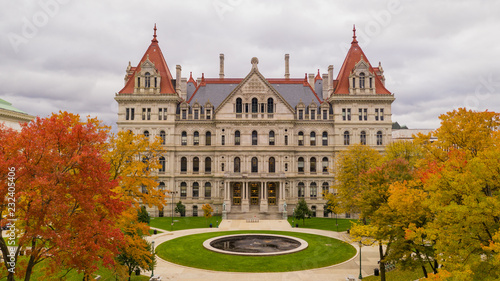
x,y
171,271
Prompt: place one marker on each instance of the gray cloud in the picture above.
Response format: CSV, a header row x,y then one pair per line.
x,y
71,55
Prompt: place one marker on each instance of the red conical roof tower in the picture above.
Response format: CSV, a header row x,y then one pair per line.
x,y
354,55
154,54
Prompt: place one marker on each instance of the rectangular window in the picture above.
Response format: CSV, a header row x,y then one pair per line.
x,y
381,114
143,113
223,140
207,114
222,167
184,114
149,113
127,113
376,114
132,113
196,115
348,114
371,82
160,113
262,107
313,114
246,107
286,140
301,114
360,114
344,116
325,114
365,114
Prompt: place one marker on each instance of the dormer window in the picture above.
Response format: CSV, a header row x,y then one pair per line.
x,y
147,80
362,80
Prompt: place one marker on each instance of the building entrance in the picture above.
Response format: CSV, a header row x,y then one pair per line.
x,y
237,194
271,193
254,193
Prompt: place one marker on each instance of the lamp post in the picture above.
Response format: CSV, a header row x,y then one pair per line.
x,y
360,276
153,252
293,217
336,222
217,219
172,224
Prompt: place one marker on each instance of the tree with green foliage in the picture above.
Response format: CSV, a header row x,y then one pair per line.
x,y
180,208
302,211
143,215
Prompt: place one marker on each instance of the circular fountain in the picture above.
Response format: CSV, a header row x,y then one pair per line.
x,y
255,244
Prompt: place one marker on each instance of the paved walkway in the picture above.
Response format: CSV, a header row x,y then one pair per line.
x,y
339,272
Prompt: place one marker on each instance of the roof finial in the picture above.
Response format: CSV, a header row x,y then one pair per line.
x,y
354,35
154,36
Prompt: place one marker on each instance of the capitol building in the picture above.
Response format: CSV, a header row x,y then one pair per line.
x,y
253,146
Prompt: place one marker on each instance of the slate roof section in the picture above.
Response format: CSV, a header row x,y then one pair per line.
x,y
155,56
353,57
216,90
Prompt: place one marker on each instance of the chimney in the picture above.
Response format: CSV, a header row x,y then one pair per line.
x,y
330,78
325,86
311,79
178,79
287,66
221,72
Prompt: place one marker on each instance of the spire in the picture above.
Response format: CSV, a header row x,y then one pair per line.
x,y
354,40
154,36
318,77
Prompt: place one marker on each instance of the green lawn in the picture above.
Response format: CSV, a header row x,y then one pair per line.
x,y
401,275
189,251
181,223
324,223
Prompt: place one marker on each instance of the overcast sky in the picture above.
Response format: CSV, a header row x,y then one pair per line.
x,y
71,55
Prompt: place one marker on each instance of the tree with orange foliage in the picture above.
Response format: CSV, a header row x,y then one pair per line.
x,y
65,205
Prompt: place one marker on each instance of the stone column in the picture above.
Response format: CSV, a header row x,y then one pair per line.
x,y
264,207
245,207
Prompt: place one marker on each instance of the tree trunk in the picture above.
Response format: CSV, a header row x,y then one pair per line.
x,y
435,267
382,263
425,271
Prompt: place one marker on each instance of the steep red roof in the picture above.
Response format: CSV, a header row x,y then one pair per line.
x,y
155,56
191,80
318,77
353,57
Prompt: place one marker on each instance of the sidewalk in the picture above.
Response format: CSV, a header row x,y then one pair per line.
x,y
339,272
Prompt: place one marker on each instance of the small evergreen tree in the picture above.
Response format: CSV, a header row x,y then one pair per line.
x,y
143,215
180,208
302,211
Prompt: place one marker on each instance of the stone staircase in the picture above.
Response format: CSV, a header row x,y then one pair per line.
x,y
254,213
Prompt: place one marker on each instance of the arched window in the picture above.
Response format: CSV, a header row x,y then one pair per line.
x,y
147,78
208,138
326,189
254,137
362,138
208,190
325,138
196,138
163,137
312,138
325,165
184,138
312,165
314,190
270,105
301,190
301,138
255,105
255,165
184,164
237,139
208,165
237,168
272,165
196,165
239,105
361,80
162,165
196,190
271,137
347,139
300,165
183,190
379,138
146,134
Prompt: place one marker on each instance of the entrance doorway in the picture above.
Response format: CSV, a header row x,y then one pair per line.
x,y
237,193
254,193
271,192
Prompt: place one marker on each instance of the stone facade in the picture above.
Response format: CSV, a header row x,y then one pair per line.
x,y
253,146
